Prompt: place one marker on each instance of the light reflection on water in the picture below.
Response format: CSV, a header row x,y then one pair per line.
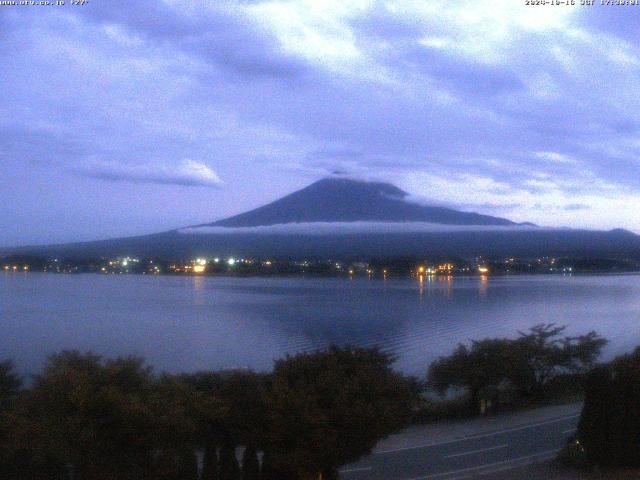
x,y
190,323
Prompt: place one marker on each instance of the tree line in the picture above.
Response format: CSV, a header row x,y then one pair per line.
x,y
537,365
85,417
542,362
89,418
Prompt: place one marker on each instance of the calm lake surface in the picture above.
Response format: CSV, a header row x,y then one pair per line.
x,y
191,323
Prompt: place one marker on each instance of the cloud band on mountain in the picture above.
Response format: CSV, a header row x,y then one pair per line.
x,y
348,228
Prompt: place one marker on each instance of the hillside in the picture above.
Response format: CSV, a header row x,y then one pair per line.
x,y
343,200
339,218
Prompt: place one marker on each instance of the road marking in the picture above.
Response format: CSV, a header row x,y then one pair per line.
x,y
476,436
358,469
571,430
471,452
515,461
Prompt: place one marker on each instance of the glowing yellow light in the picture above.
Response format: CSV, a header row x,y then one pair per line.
x,y
198,268
421,269
445,267
483,270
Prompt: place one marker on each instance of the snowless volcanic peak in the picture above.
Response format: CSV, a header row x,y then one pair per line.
x,y
342,218
346,200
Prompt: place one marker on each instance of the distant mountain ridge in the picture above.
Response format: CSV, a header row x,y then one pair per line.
x,y
281,230
346,200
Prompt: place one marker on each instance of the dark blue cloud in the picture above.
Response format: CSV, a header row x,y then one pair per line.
x,y
216,34
622,22
466,77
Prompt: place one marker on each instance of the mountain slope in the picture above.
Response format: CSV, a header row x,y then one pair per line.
x,y
343,200
339,202
512,242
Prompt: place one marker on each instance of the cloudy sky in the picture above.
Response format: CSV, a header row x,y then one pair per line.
x,y
127,117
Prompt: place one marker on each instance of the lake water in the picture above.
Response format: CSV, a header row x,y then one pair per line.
x,y
191,323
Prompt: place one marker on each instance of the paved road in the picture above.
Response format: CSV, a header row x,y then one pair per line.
x,y
475,455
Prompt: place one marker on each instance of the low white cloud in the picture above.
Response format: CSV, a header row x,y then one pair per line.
x,y
317,31
188,172
556,157
349,228
551,202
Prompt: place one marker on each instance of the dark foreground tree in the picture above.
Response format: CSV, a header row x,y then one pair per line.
x,y
103,420
245,396
480,369
250,464
269,471
229,468
89,418
10,384
523,366
541,354
231,410
210,463
609,428
329,408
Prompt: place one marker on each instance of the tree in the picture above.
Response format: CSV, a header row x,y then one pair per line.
x,y
480,369
329,408
232,407
10,384
524,365
107,419
187,464
268,471
210,463
540,355
229,468
609,427
246,417
250,464
209,413
10,424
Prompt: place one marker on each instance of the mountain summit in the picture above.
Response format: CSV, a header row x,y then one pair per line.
x,y
359,220
345,200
